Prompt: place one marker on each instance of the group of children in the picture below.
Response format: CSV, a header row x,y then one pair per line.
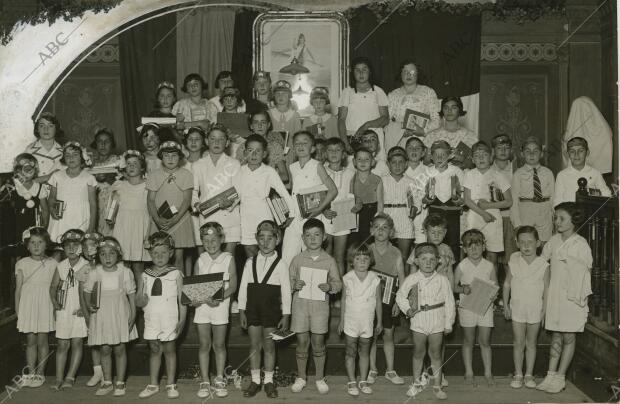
x,y
413,194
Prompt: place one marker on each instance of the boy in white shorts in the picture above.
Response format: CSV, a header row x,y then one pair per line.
x,y
431,310
475,266
164,315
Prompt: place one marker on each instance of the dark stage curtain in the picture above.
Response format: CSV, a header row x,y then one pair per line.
x,y
242,51
143,67
445,47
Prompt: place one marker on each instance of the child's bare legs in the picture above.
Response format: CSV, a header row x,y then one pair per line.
x,y
518,341
419,351
484,340
364,351
269,349
301,354
256,345
388,350
204,350
350,356
31,352
219,347
469,335
337,247
562,351
531,339
435,343
404,245
106,362
155,349
43,349
76,357
318,354
170,353
120,356
250,250
61,359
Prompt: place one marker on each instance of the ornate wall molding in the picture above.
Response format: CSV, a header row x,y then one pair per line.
x,y
518,52
107,53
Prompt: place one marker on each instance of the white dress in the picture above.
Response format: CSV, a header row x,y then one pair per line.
x,y
68,323
527,288
132,221
342,180
74,193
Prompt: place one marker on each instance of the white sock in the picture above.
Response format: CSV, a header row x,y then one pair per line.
x,y
268,376
255,375
97,369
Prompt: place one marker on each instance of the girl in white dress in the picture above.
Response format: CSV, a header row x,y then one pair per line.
x,y
132,222
566,310
192,111
70,324
109,297
526,283
35,313
73,194
361,303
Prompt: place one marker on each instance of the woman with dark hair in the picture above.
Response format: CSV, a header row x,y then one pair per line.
x,y
223,80
46,148
363,105
165,97
192,111
413,96
104,145
450,130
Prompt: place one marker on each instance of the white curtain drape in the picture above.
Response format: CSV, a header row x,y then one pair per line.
x,y
204,43
471,104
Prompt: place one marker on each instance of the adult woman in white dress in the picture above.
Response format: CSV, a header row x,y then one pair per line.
x,y
414,96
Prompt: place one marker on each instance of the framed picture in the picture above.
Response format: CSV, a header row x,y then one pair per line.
x,y
288,43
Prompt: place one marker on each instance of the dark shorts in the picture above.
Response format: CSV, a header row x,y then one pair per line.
x,y
264,308
388,321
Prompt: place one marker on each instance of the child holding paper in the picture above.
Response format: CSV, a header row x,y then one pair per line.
x,y
264,305
306,173
475,266
211,318
432,316
322,123
313,274
164,315
361,304
284,116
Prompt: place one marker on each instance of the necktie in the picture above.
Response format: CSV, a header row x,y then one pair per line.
x,y
537,187
71,277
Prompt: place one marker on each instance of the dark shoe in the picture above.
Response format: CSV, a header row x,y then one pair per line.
x,y
252,389
270,390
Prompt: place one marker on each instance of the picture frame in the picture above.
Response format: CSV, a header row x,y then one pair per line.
x,y
318,40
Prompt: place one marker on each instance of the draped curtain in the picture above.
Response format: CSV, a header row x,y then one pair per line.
x,y
143,65
242,51
204,43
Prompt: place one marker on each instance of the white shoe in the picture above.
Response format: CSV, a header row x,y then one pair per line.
x,y
322,386
234,307
120,389
220,387
529,381
394,377
25,381
557,384
171,391
105,389
517,382
372,377
95,380
364,387
37,381
439,393
204,390
414,390
299,385
546,382
352,389
444,381
149,391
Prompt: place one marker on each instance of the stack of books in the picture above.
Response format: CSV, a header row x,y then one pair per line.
x,y
278,207
212,205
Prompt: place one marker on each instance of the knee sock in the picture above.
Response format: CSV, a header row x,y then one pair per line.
x,y
97,370
255,375
268,376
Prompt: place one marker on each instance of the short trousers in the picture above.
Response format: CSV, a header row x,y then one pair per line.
x,y
359,325
213,315
310,315
470,319
429,322
387,320
525,312
160,325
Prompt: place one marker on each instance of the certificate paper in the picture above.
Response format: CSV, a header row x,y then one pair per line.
x,y
312,277
480,298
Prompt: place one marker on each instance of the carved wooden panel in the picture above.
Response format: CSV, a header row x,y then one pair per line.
x,y
521,101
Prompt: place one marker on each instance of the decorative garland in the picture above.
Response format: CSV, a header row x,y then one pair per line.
x,y
520,11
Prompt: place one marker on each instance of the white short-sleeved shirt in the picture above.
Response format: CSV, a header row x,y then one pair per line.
x,y
362,107
566,183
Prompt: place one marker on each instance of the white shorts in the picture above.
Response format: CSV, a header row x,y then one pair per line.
x,y
160,324
429,322
359,326
213,315
493,232
471,319
526,312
